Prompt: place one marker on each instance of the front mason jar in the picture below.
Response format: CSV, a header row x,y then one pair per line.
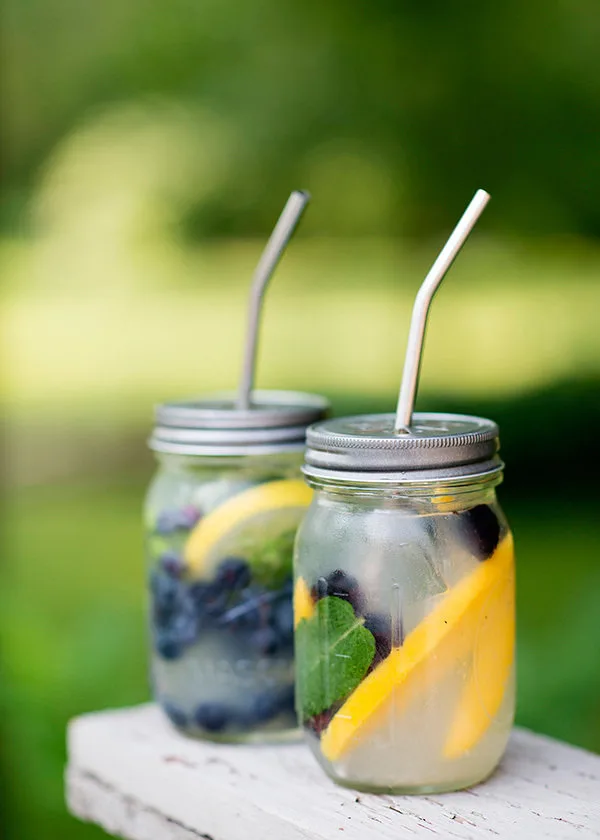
x,y
220,517
405,620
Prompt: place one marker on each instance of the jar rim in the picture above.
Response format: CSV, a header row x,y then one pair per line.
x,y
491,471
191,450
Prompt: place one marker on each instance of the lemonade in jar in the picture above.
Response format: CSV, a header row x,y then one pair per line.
x,y
220,519
404,589
404,600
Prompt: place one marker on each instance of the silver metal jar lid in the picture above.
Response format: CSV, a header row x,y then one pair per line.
x,y
214,425
367,449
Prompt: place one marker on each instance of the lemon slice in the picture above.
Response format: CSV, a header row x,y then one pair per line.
x,y
304,605
244,522
493,658
434,646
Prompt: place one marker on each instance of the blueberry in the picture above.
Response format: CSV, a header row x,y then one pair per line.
x,y
265,641
233,573
380,626
481,529
167,646
166,592
341,585
210,599
174,615
162,586
176,715
283,620
377,624
265,707
287,588
187,517
180,632
212,716
268,705
172,564
177,519
320,589
184,624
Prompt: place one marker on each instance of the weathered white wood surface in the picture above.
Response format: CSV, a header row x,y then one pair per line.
x,y
131,773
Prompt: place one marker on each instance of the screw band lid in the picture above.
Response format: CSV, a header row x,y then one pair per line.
x,y
275,421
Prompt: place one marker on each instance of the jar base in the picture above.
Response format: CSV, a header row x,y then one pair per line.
x,y
411,790
284,736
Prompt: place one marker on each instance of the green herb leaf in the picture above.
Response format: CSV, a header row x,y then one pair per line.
x,y
333,653
271,561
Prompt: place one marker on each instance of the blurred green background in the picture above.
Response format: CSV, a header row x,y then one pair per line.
x,y
148,148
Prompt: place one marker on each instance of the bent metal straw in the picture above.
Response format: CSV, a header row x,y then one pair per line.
x,y
273,252
416,335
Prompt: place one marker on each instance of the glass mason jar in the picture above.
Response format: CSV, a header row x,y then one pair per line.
x,y
221,516
404,604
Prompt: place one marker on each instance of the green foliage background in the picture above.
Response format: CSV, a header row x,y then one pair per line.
x,y
431,97
148,148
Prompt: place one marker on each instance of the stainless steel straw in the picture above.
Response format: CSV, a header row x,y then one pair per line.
x,y
418,322
274,248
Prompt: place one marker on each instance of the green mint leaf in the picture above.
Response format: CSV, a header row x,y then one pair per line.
x,y
156,545
333,653
271,561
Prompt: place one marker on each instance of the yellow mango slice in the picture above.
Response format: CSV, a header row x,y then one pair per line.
x,y
434,646
304,605
493,657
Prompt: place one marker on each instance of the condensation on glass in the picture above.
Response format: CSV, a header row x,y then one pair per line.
x,y
220,520
404,604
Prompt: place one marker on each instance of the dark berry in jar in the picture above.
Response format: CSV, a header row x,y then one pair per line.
x,y
320,589
481,530
184,624
340,585
167,646
166,593
210,599
176,519
172,564
381,628
213,717
176,715
265,707
287,587
187,517
283,620
175,619
233,574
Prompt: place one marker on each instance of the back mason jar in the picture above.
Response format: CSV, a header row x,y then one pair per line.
x,y
404,603
221,516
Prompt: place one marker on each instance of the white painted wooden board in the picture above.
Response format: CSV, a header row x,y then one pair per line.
x,y
131,773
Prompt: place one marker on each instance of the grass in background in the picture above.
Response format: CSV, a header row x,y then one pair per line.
x,y
99,337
